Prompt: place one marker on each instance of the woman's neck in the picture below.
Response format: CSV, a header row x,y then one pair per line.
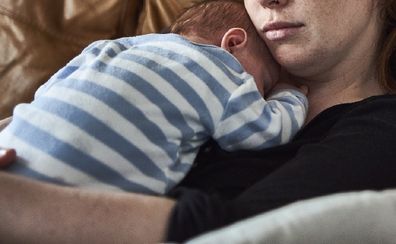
x,y
350,75
352,86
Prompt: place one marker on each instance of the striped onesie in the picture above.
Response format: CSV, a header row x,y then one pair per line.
x,y
130,115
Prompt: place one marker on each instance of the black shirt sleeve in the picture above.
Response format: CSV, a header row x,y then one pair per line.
x,y
354,150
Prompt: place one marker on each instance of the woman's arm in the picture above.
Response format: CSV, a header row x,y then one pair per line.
x,y
43,213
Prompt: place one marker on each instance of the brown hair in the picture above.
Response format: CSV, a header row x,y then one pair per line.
x,y
210,19
387,58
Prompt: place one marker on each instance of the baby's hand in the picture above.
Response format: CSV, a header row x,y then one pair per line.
x,y
287,86
286,81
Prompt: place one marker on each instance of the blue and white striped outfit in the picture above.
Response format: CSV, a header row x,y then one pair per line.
x,y
130,114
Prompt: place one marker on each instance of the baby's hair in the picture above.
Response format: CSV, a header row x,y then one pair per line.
x,y
210,19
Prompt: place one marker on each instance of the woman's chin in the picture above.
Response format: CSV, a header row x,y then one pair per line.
x,y
296,63
294,66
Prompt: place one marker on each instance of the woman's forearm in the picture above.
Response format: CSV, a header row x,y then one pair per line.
x,y
39,212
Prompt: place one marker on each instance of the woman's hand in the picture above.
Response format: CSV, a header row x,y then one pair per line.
x,y
7,157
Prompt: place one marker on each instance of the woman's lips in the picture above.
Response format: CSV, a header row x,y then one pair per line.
x,y
276,31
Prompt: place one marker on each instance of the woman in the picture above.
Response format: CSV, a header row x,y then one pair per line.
x,y
343,51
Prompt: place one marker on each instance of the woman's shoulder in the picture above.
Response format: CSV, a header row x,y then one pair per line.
x,y
376,105
358,116
374,117
387,98
382,105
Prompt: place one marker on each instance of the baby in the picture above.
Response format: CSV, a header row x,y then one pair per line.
x,y
131,114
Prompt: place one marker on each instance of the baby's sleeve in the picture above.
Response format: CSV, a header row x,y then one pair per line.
x,y
251,122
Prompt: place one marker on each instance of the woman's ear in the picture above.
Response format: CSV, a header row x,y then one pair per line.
x,y
234,40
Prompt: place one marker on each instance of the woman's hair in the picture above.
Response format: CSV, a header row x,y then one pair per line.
x,y
387,59
210,19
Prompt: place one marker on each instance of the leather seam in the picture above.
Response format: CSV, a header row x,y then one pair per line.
x,y
30,23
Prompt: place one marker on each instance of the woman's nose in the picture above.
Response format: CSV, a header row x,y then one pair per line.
x,y
273,3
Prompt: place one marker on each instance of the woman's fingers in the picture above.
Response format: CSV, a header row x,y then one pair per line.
x,y
7,157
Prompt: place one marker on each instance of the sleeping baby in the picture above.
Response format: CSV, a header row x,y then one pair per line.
x,y
131,114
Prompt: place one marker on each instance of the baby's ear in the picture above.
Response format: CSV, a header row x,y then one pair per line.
x,y
234,39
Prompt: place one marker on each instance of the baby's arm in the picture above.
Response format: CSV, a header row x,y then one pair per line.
x,y
281,86
251,122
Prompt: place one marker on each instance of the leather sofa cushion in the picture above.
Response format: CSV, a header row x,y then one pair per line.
x,y
39,37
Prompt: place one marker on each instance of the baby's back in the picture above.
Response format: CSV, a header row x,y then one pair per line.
x,y
119,116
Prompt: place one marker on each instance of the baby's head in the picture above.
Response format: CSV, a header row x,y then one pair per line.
x,y
225,23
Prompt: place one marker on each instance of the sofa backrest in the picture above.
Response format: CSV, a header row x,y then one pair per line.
x,y
39,37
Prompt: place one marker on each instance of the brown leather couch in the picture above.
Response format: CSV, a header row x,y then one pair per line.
x,y
37,37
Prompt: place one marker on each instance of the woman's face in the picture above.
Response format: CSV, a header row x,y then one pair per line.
x,y
310,36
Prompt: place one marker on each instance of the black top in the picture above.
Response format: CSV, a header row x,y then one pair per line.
x,y
347,147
